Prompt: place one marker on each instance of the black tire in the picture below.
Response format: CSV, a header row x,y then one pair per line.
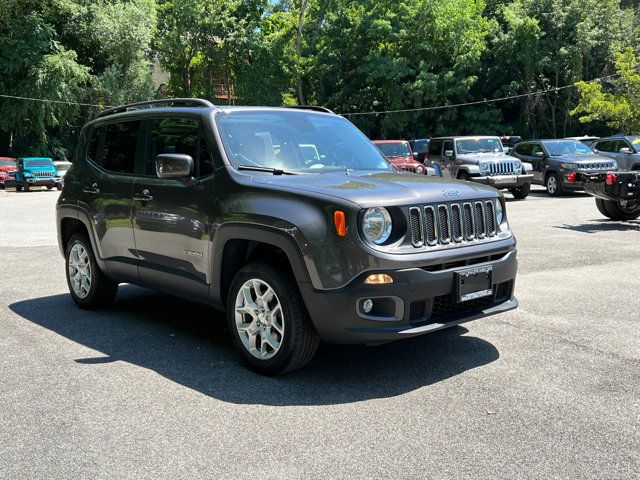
x,y
619,211
521,192
300,340
463,175
59,186
102,290
553,189
49,188
18,187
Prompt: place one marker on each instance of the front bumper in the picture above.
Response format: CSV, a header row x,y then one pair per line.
x,y
8,183
419,301
43,182
504,181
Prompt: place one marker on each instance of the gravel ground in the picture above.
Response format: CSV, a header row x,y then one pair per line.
x,y
151,388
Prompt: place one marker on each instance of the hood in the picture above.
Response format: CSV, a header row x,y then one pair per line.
x,y
484,157
8,168
585,160
369,189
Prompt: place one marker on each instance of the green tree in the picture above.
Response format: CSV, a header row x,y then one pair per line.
x,y
615,102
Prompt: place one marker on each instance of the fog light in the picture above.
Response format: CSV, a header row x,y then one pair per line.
x,y
378,279
367,305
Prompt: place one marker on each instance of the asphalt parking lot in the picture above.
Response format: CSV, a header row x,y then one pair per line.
x,y
151,388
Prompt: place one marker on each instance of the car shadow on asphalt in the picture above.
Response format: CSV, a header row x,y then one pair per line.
x,y
188,344
601,225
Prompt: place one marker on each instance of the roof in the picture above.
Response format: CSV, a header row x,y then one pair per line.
x,y
390,141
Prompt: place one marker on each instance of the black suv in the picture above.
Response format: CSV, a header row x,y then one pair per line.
x,y
223,206
558,164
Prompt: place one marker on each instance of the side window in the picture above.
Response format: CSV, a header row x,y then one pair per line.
x,y
535,148
606,146
120,145
179,135
93,143
435,147
522,149
448,145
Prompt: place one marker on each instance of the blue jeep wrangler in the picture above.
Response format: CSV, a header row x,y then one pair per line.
x,y
37,172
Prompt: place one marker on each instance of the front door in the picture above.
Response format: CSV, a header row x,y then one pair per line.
x,y
171,225
538,162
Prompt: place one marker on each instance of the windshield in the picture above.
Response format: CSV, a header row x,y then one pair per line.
x,y
37,163
394,149
567,147
297,141
635,141
7,163
479,145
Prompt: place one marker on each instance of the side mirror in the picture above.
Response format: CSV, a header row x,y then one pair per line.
x,y
174,165
448,153
539,154
625,150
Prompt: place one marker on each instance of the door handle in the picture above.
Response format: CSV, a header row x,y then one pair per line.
x,y
92,189
144,196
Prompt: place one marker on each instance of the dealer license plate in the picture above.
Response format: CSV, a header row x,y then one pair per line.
x,y
474,283
504,179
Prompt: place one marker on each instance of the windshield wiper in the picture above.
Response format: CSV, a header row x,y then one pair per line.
x,y
275,171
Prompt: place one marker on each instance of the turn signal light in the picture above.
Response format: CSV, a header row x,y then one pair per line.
x,y
611,178
378,279
340,221
572,177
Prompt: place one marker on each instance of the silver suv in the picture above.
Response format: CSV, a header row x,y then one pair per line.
x,y
482,160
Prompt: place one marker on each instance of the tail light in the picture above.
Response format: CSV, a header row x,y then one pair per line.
x,y
572,177
611,178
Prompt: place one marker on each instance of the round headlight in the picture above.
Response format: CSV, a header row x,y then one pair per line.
x,y
517,165
419,169
484,166
499,212
376,225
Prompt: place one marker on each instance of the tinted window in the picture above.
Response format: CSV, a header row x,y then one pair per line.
x,y
420,145
119,151
448,145
394,149
606,146
523,149
536,147
173,135
567,147
435,147
94,141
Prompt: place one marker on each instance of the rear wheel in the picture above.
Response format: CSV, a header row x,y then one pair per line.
x,y
622,210
521,192
553,184
268,322
89,287
59,186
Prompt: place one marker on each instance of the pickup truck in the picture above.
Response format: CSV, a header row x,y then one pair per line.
x,y
617,193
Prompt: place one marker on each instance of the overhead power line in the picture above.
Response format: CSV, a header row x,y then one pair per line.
x,y
477,102
45,100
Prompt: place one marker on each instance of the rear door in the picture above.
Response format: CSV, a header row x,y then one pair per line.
x,y
171,225
106,185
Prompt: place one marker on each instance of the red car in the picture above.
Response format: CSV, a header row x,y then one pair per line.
x,y
399,153
8,168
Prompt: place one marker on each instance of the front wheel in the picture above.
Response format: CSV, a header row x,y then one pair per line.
x,y
268,322
622,210
89,287
554,185
521,192
464,176
18,187
59,186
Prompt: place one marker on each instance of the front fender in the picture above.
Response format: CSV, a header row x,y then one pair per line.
x,y
527,167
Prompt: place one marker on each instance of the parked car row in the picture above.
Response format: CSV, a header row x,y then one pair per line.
x,y
29,172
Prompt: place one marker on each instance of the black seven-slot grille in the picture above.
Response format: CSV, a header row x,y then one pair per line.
x,y
452,223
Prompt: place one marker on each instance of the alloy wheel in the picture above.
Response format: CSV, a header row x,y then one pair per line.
x,y
259,319
80,270
552,185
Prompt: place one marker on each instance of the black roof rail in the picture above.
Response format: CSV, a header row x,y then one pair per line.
x,y
169,102
311,107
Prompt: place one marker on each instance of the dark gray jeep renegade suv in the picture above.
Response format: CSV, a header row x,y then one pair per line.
x,y
224,205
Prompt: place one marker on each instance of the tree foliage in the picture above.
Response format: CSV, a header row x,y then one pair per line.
x,y
614,102
350,55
